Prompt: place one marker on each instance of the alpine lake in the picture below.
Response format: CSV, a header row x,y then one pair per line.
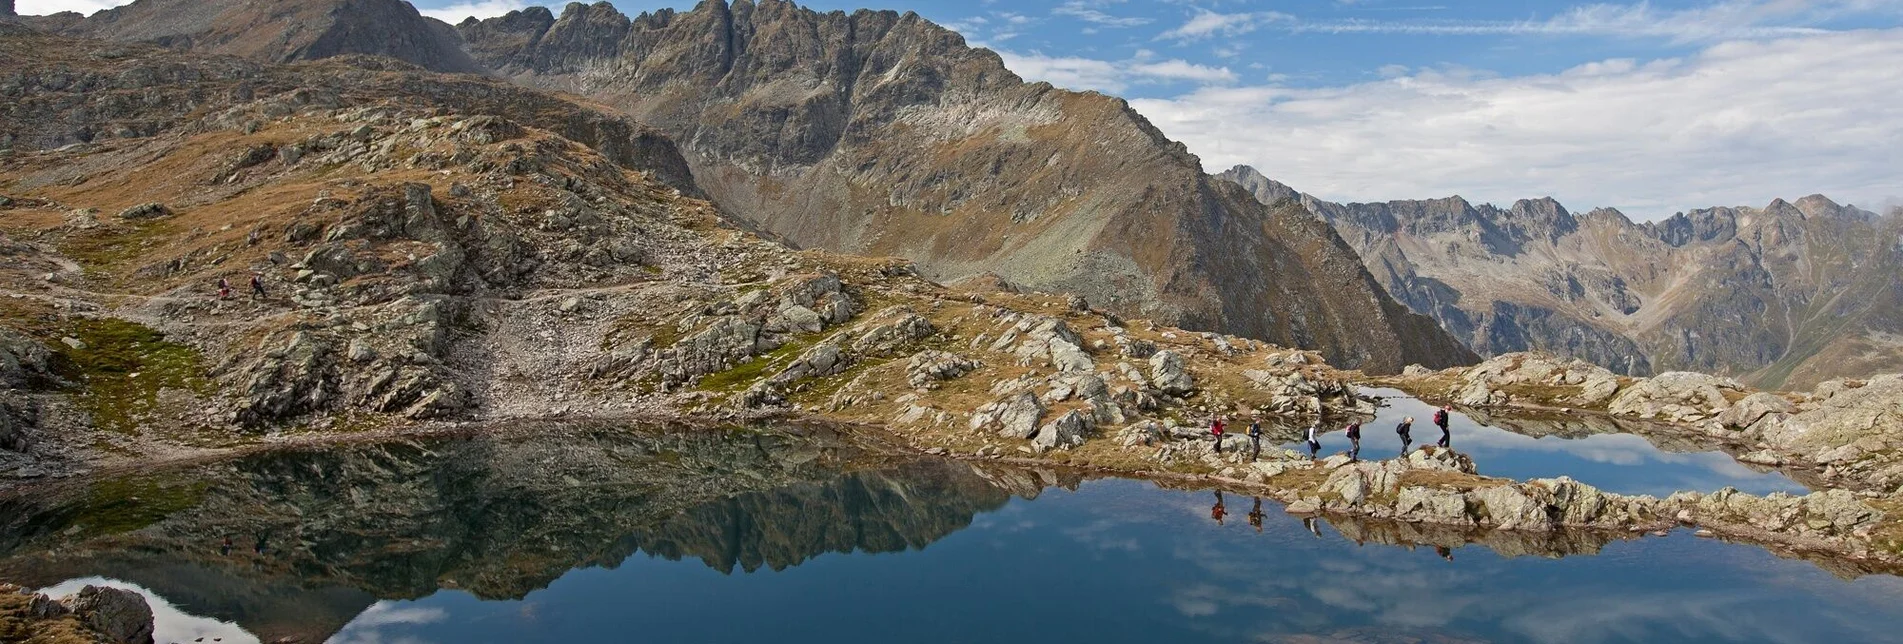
x,y
587,532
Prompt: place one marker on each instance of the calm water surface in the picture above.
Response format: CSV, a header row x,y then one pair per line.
x,y
618,536
1607,453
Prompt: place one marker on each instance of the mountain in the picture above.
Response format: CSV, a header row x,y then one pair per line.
x,y
880,133
274,30
1787,295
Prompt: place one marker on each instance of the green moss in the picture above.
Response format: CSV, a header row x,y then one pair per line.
x,y
124,505
123,367
739,378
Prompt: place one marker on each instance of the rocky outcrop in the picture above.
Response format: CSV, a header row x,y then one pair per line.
x,y
1754,293
1676,397
121,616
1534,378
880,133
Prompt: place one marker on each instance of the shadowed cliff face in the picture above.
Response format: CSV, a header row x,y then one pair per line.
x,y
497,517
1784,296
880,133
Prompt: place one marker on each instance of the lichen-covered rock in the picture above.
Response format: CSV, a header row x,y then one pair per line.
x,y
1169,375
1065,431
1432,505
926,369
145,211
1749,410
24,362
891,331
1678,396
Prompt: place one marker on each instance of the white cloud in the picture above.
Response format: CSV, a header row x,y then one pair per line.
x,y
43,7
1730,19
1739,123
454,13
1091,11
1079,73
1208,23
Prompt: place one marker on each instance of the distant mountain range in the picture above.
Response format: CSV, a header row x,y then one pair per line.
x,y
881,133
1782,296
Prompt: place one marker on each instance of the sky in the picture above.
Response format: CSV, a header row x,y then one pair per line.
x,y
1649,107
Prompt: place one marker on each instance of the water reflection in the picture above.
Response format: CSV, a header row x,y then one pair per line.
x,y
592,534
1609,453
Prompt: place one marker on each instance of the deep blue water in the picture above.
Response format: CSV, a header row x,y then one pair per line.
x,y
1122,561
746,536
1616,462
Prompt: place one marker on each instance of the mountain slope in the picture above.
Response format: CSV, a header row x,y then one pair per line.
x,y
1788,295
275,30
880,133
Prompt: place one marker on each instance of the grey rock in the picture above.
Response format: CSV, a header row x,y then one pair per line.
x,y
1018,416
144,211
1068,430
1168,374
122,616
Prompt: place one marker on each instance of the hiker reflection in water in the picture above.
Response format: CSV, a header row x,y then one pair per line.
x,y
1216,511
1255,515
1309,522
1444,552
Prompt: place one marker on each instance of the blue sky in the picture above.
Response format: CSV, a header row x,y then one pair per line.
x,y
1651,107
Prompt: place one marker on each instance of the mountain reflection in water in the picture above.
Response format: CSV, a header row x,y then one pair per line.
x,y
593,534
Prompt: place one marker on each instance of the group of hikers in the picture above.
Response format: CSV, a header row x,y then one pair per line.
x,y
257,286
1405,429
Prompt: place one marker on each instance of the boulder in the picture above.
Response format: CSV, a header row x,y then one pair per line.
x,y
1167,373
1432,505
152,210
892,330
1511,507
1066,431
1677,396
1019,415
24,362
929,367
1749,410
122,616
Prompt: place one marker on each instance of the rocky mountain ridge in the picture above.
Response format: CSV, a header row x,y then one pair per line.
x,y
878,133
1788,295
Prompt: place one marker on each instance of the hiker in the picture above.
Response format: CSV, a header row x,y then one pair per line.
x,y
224,288
1255,515
257,285
1314,441
225,549
1406,431
1255,437
1215,427
1354,441
1440,420
1216,511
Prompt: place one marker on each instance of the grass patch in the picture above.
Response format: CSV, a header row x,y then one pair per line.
x,y
739,378
122,368
104,252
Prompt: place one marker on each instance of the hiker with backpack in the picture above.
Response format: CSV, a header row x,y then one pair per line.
x,y
1406,431
1215,427
257,285
1354,441
1440,420
1314,441
1255,437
